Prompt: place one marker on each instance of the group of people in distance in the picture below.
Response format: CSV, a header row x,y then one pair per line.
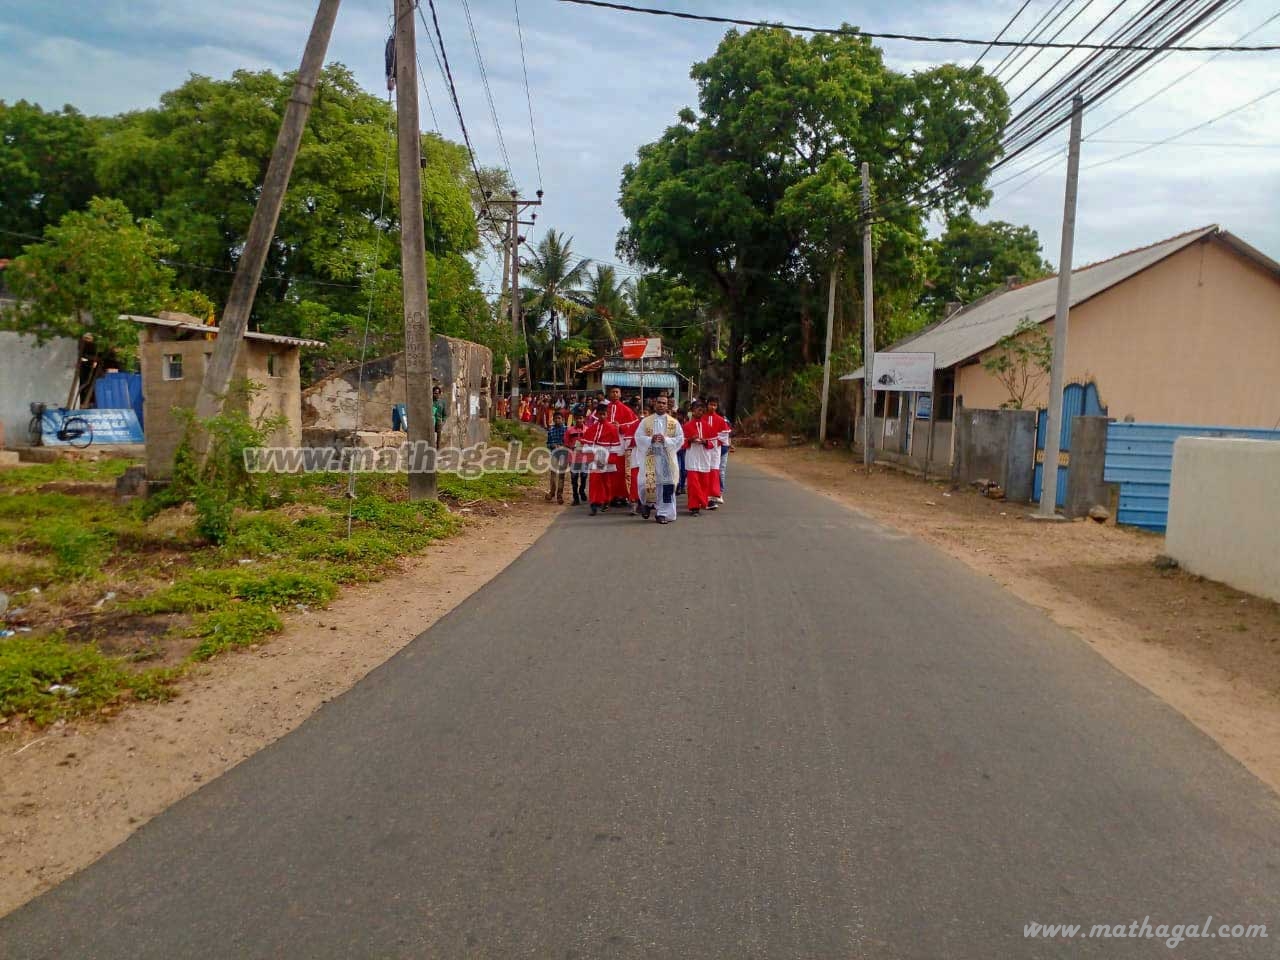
x,y
623,454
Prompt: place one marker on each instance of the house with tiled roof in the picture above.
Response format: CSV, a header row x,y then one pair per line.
x,y
1186,330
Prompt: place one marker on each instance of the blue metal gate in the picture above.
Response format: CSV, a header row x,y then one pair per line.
x,y
1078,400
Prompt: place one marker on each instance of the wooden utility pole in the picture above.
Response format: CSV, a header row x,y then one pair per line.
x,y
413,264
517,319
1053,427
244,287
868,323
826,362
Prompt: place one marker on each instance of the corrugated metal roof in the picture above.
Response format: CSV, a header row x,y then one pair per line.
x,y
190,327
981,324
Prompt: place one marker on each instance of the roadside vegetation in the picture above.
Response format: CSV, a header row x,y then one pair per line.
x,y
111,602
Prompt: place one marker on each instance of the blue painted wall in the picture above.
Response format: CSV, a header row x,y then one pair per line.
x,y
1140,459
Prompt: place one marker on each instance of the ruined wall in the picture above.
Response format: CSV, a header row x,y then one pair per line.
x,y
461,369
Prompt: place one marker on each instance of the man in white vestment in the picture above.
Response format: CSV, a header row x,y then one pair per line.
x,y
657,442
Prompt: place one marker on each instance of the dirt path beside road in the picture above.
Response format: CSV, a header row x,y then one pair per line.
x,y
1210,652
71,792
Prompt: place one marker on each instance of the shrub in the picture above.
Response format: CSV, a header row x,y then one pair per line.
x,y
236,626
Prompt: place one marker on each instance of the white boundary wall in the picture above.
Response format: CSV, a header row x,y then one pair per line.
x,y
1224,512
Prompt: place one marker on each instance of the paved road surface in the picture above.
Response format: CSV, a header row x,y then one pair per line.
x,y
797,734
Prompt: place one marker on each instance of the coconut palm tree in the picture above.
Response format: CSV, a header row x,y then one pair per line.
x,y
607,308
553,283
572,352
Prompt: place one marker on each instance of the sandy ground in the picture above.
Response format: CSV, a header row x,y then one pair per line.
x,y
1210,652
73,791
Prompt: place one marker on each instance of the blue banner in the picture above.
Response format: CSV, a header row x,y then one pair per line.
x,y
109,426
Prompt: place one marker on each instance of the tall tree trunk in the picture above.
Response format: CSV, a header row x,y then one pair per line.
x,y
806,328
737,320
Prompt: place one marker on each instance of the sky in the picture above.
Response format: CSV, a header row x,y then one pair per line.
x,y
603,83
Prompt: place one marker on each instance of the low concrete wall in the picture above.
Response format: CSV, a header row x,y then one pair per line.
x,y
1085,486
1224,512
30,370
997,445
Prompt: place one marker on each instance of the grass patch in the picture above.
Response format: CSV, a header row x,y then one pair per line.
x,y
509,431
236,626
288,546
31,666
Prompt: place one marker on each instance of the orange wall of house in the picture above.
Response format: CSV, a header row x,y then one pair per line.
x,y
1195,339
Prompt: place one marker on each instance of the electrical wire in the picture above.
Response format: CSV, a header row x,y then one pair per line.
x,y
1183,133
1013,54
524,67
914,38
1173,83
488,91
1003,31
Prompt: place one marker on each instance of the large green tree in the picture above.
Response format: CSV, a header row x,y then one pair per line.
x,y
971,259
91,267
45,169
194,164
747,198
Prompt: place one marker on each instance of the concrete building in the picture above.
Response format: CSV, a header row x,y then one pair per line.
x,y
1184,331
352,400
173,350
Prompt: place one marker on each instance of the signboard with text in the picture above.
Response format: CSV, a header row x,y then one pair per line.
x,y
109,426
642,348
907,372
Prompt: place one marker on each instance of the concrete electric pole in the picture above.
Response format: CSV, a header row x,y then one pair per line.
x,y
1053,427
244,287
413,264
517,320
868,323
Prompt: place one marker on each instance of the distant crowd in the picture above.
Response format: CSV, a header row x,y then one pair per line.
x,y
636,454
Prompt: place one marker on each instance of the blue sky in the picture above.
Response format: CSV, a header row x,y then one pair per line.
x,y
603,83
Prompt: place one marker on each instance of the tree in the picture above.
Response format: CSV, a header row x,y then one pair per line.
x,y
93,266
573,352
45,169
195,164
1020,361
972,259
553,289
738,198
607,308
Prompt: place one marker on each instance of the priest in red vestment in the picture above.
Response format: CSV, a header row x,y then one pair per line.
x,y
701,458
621,416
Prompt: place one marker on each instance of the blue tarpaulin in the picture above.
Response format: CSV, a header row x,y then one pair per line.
x,y
119,391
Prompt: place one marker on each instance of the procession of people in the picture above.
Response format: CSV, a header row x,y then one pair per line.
x,y
639,456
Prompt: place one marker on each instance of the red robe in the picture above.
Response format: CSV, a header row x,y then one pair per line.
x,y
714,423
622,416
700,443
627,431
600,485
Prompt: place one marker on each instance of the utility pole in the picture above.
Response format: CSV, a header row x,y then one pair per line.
x,y
514,240
1053,427
244,287
868,323
826,363
413,264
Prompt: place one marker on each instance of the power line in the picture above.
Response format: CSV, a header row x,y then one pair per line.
x,y
488,91
917,38
1003,30
524,66
1183,133
1174,83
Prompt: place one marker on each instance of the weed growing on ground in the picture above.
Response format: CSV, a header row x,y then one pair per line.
x,y
237,626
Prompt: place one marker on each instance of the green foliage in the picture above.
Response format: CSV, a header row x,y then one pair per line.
x,y
237,626
31,664
94,265
513,431
748,198
972,259
45,169
1020,361
223,483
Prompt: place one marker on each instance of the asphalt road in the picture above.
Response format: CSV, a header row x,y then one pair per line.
x,y
779,731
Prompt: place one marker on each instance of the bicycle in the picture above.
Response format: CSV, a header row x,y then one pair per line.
x,y
68,428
